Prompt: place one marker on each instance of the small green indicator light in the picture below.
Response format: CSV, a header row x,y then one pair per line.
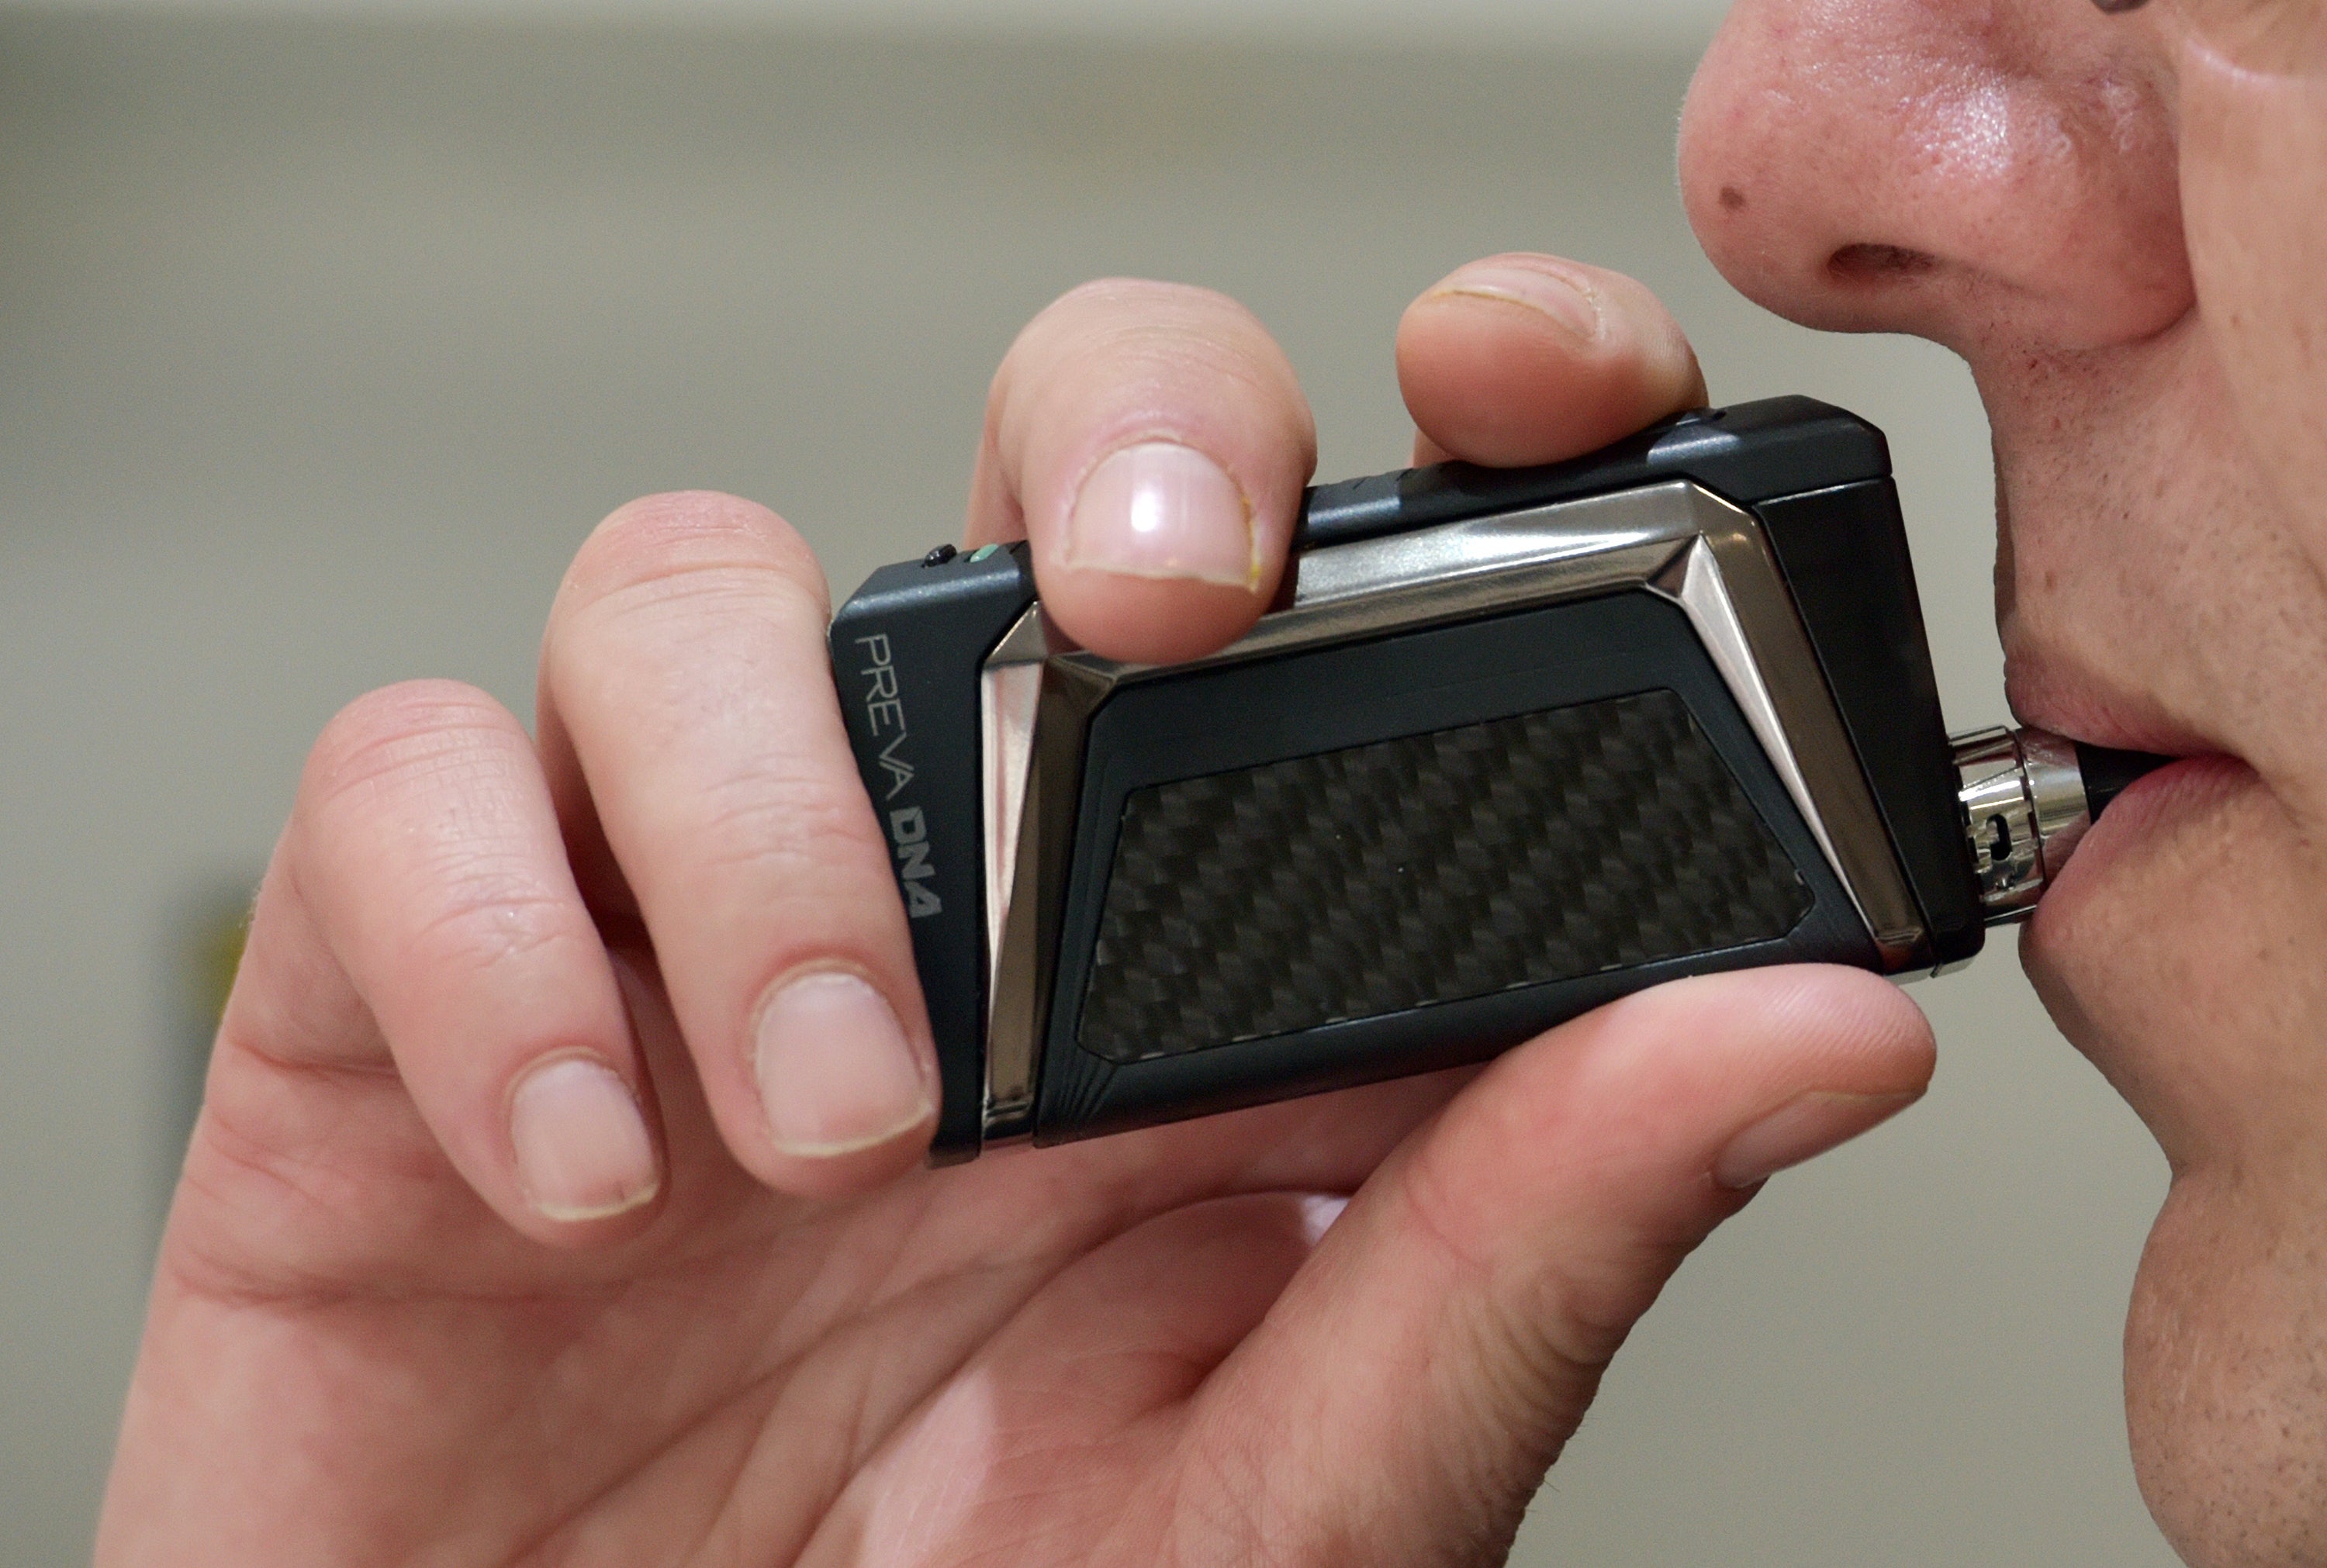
x,y
982,552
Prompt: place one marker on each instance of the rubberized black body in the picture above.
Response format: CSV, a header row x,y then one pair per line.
x,y
1843,551
1363,891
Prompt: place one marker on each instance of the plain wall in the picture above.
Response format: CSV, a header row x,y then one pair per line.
x,y
322,346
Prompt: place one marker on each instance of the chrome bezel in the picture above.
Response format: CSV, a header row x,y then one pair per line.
x,y
1676,539
2020,790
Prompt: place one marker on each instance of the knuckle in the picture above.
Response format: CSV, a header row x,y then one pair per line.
x,y
489,916
806,861
402,800
1579,1317
1147,299
1124,359
1443,1211
690,542
436,727
1146,325
1181,366
787,830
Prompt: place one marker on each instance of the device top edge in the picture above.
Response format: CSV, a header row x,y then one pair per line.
x,y
1745,453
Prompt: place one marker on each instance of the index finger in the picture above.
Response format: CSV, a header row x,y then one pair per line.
x,y
1149,441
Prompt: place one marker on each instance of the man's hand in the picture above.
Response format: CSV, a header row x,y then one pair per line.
x,y
556,1195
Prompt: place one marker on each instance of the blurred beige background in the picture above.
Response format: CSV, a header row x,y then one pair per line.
x,y
324,339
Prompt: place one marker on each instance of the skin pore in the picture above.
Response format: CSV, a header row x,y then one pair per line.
x,y
2120,223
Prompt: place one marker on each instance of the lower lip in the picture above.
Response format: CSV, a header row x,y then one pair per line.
x,y
2153,805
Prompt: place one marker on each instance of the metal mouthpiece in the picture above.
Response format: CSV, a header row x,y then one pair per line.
x,y
2027,797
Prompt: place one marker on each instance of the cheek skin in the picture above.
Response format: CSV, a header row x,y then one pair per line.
x,y
2226,1346
2151,589
2254,180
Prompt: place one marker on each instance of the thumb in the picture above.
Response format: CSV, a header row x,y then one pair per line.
x,y
1408,1390
1523,357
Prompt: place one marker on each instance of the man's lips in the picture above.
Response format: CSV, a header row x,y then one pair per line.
x,y
2056,693
2047,692
2153,805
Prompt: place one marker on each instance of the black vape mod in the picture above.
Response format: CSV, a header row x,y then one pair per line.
x,y
1514,744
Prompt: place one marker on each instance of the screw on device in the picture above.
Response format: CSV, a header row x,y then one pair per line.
x,y
2027,797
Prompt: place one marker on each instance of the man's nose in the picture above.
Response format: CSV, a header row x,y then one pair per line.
x,y
1978,171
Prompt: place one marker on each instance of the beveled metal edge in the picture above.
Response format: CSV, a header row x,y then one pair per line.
x,y
1009,685
1678,539
1024,693
1730,587
2022,788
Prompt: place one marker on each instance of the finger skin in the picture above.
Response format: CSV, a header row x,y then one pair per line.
x,y
689,702
1096,1367
422,876
1524,358
1122,364
1407,1391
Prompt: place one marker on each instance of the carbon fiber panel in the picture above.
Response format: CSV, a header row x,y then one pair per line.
x,y
1426,869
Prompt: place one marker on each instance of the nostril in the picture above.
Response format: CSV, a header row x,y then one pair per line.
x,y
1866,264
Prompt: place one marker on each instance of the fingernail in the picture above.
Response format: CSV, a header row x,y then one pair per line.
x,y
583,1152
836,1073
1808,1124
1319,1210
1161,510
1566,302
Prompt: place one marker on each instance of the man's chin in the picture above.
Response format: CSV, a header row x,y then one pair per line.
x,y
2174,952
2226,1373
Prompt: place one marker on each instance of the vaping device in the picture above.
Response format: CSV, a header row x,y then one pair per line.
x,y
1511,744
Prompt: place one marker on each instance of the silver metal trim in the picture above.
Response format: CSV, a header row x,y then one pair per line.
x,y
1676,539
1026,956
2056,786
1733,593
2025,811
1694,582
1009,685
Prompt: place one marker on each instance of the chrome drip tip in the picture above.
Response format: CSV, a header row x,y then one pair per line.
x,y
2027,797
